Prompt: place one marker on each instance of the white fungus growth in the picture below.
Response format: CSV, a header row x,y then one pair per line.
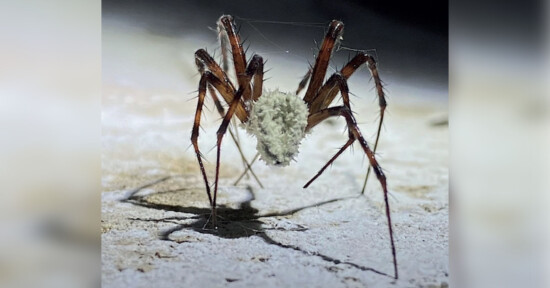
x,y
278,120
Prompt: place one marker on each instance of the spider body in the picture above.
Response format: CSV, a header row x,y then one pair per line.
x,y
280,120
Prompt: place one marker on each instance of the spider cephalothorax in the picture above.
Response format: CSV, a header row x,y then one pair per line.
x,y
280,120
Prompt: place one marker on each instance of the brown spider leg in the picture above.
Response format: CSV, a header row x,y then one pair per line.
x,y
246,170
207,79
203,60
381,102
257,87
223,85
221,110
304,81
239,58
335,79
352,125
252,69
350,141
334,34
336,83
195,133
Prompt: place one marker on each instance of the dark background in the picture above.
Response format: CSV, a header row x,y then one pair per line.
x,y
410,38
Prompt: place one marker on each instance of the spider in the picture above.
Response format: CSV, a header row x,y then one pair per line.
x,y
281,120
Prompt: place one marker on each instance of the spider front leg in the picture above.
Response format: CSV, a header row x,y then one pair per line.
x,y
254,67
208,79
205,78
355,134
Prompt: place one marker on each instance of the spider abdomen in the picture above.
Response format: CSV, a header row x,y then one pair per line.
x,y
278,120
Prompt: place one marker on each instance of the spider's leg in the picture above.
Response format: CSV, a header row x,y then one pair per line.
x,y
221,82
336,83
239,57
334,34
204,61
255,64
257,87
354,134
304,81
246,170
195,132
381,102
316,118
221,110
350,141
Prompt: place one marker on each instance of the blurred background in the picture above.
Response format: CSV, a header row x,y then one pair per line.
x,y
499,135
50,100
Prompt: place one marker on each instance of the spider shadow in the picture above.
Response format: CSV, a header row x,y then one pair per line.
x,y
242,221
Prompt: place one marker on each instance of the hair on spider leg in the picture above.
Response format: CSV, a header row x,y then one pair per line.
x,y
202,128
193,97
190,145
203,157
246,52
239,27
352,149
210,150
196,74
245,41
215,30
354,95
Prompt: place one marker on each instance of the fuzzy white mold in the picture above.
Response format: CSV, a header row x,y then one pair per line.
x,y
278,120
